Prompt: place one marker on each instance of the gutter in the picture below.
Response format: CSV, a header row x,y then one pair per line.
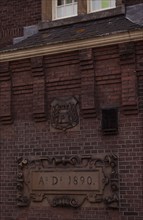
x,y
101,41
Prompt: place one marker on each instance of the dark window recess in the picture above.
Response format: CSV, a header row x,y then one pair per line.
x,y
110,121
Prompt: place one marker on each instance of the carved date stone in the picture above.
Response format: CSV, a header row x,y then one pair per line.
x,y
68,181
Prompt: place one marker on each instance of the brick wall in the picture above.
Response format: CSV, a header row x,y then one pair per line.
x,y
99,77
14,15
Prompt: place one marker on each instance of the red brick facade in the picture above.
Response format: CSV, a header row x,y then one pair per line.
x,y
102,77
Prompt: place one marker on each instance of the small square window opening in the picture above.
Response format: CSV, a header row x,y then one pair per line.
x,y
110,121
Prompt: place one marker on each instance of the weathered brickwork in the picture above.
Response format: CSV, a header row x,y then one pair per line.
x,y
14,15
99,78
30,85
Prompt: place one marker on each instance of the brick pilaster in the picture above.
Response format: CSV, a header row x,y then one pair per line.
x,y
5,94
39,110
128,78
87,83
139,65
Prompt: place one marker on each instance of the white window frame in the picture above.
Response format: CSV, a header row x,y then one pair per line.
x,y
90,10
55,8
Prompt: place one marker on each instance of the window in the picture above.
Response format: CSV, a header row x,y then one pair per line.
x,y
110,121
64,8
98,5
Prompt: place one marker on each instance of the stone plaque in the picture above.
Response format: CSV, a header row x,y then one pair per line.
x,y
68,181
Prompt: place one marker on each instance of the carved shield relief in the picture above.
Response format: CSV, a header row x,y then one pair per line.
x,y
64,113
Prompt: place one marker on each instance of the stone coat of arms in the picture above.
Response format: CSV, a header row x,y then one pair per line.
x,y
64,113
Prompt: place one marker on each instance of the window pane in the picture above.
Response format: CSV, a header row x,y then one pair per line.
x,y
60,12
60,2
96,5
75,9
102,4
68,1
105,4
112,3
68,9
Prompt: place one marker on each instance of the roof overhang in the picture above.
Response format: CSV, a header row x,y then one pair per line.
x,y
100,41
